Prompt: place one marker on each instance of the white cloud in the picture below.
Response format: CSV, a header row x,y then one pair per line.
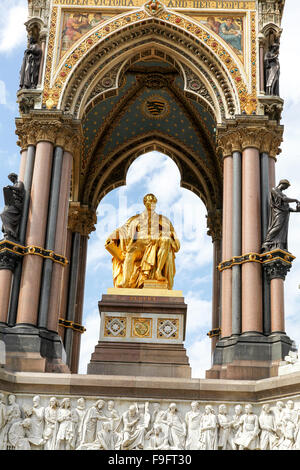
x,y
2,92
13,14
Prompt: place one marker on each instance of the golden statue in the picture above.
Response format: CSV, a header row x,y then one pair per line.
x,y
144,249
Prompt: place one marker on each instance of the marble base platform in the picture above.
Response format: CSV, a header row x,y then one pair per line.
x,y
142,333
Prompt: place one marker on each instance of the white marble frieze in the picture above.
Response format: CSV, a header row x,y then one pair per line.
x,y
75,423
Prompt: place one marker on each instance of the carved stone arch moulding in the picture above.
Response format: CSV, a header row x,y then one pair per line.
x,y
195,37
198,84
106,57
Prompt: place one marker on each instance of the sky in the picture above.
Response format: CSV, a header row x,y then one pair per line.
x,y
158,174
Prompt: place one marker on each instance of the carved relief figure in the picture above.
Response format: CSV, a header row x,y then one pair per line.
x,y
35,432
29,74
208,430
17,435
289,427
236,426
51,424
12,212
272,70
277,233
225,423
144,248
192,419
80,410
176,427
93,422
158,439
248,439
134,429
267,424
65,438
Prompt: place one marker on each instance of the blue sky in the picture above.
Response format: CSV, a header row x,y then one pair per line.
x,y
158,174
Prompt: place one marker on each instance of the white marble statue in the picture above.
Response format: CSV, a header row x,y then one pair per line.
x,y
36,413
268,437
51,425
65,438
225,429
134,429
192,419
236,426
92,422
158,439
18,435
248,439
80,412
176,427
208,430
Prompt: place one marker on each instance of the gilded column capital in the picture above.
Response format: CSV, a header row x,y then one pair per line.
x,y
245,132
81,218
43,126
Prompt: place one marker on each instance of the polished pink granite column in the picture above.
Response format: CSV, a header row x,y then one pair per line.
x,y
22,164
36,229
226,300
272,182
277,305
5,288
251,241
60,242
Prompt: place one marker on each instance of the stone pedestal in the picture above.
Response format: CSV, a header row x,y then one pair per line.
x,y
141,334
250,356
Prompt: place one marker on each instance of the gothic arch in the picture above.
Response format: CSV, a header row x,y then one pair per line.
x,y
74,80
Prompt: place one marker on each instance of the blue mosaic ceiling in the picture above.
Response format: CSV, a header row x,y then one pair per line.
x,y
149,110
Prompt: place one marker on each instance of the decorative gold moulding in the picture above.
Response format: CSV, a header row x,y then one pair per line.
x,y
144,292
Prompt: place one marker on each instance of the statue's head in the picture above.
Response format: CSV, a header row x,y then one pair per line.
x,y
150,201
13,177
284,183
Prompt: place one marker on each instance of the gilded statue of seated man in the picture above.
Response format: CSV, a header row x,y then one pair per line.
x,y
144,248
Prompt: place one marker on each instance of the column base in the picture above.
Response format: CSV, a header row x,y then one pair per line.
x,y
250,356
30,349
141,334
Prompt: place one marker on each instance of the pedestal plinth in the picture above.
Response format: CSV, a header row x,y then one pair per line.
x,y
141,334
